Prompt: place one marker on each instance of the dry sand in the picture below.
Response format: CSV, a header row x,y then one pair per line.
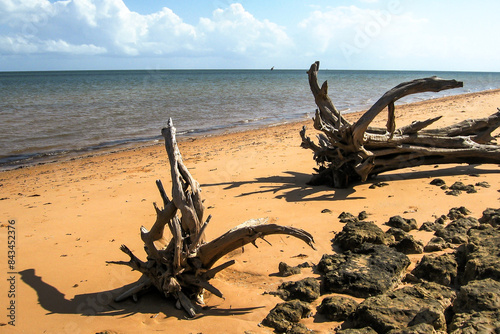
x,y
71,216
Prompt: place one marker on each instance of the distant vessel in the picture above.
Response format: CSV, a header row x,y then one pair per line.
x,y
272,68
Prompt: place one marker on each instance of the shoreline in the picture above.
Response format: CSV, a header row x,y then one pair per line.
x,y
72,216
138,143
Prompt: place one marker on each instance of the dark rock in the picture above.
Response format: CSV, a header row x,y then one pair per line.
x,y
477,308
422,328
475,322
405,224
398,233
409,245
326,211
435,244
337,308
490,216
462,187
429,227
365,330
284,315
460,212
483,184
356,233
456,231
346,217
481,256
362,215
299,328
285,270
364,272
438,182
453,192
378,185
441,220
408,306
307,290
442,269
478,296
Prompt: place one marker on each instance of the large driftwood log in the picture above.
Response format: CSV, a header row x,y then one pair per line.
x,y
347,153
183,267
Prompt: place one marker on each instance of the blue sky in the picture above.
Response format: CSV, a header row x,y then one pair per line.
x,y
162,34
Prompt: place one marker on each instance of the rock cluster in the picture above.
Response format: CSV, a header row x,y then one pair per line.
x,y
455,292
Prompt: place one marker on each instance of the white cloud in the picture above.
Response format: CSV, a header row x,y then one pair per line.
x,y
108,26
347,32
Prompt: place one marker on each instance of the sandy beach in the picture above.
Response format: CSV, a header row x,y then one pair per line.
x,y
71,216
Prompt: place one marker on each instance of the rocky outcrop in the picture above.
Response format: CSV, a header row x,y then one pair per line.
x,y
284,316
337,308
366,271
405,224
307,290
356,233
477,308
442,269
423,303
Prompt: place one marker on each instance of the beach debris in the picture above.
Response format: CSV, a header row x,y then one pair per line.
x,y
438,182
347,153
181,263
337,308
363,272
284,316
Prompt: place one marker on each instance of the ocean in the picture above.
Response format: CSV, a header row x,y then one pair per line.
x,y
48,115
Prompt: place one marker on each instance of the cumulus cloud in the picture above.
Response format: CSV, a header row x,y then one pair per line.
x,y
109,27
348,31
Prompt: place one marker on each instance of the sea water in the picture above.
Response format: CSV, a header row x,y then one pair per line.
x,y
52,114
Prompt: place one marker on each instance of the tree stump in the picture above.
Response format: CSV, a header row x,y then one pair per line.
x,y
184,266
348,153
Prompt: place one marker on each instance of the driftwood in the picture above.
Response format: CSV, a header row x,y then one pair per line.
x,y
347,152
182,266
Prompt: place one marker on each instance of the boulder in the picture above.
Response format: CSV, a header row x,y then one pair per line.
x,y
307,290
286,270
475,322
481,256
409,245
478,296
365,330
356,233
397,233
366,271
423,303
490,216
405,224
284,315
459,212
337,308
442,269
435,244
456,231
477,308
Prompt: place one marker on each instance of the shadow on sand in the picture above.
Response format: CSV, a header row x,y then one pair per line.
x,y
102,303
293,186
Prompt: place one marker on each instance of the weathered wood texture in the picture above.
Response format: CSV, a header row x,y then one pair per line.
x,y
183,266
347,152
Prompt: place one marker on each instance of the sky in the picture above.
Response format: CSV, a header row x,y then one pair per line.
x,y
442,35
